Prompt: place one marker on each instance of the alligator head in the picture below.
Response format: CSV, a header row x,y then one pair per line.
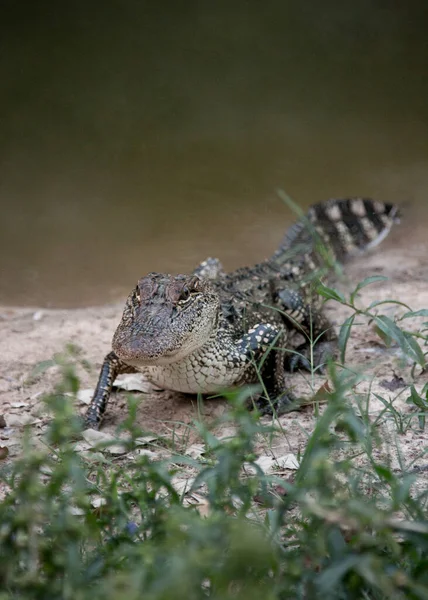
x,y
166,318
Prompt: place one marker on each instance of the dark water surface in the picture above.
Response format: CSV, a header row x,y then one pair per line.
x,y
142,136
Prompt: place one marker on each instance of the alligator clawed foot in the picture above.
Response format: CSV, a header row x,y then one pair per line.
x,y
90,421
301,358
284,403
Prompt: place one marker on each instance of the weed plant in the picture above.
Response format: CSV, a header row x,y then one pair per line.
x,y
77,527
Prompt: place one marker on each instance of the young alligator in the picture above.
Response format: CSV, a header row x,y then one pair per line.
x,y
211,330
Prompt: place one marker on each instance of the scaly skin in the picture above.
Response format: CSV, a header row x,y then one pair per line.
x,y
209,331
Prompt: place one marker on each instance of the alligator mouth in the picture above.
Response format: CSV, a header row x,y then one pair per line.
x,y
135,354
134,360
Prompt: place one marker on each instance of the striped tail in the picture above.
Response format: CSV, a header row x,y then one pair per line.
x,y
342,227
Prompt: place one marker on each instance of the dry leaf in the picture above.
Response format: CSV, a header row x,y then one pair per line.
x,y
269,464
93,457
199,502
181,485
322,394
85,396
21,420
74,510
2,422
288,461
148,453
95,437
81,446
133,382
195,450
116,449
4,452
97,502
264,462
99,439
227,433
145,439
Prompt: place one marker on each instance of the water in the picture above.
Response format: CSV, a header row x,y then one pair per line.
x,y
141,138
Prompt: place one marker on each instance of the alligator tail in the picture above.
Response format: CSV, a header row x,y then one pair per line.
x,y
340,227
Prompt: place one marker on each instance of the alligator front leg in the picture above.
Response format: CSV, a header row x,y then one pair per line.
x,y
266,345
320,337
111,368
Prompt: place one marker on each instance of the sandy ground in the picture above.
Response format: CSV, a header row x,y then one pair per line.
x,y
29,336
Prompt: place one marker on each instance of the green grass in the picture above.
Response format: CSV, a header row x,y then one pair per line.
x,y
347,526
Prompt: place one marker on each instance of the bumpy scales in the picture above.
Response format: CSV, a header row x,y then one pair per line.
x,y
209,331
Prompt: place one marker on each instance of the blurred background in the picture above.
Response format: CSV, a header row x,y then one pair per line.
x,y
141,136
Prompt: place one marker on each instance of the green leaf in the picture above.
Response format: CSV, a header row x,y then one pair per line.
x,y
364,283
379,302
416,399
384,473
402,492
406,342
420,403
416,349
42,366
332,575
416,313
330,293
344,334
39,369
387,340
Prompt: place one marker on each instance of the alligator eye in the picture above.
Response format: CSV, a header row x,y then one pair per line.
x,y
184,294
